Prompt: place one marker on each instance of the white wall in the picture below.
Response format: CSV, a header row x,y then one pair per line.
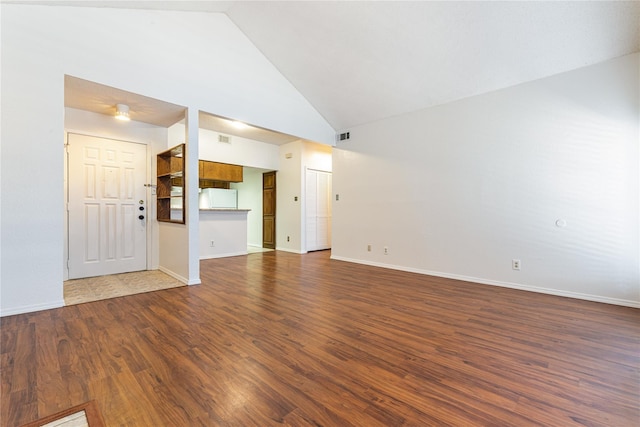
x,y
288,188
199,60
228,231
290,184
241,151
461,189
317,156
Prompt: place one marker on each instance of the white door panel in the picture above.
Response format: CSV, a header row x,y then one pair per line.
x,y
318,210
106,186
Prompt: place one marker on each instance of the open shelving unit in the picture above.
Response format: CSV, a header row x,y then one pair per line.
x,y
170,185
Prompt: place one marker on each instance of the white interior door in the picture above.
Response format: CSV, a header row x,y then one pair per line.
x,y
318,210
106,191
311,209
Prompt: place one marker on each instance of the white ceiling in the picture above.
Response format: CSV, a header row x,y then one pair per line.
x,y
86,95
358,62
90,96
228,127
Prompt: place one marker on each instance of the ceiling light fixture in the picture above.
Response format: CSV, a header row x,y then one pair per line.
x,y
239,125
122,112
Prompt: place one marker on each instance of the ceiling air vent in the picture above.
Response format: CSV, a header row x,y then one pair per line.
x,y
224,138
343,136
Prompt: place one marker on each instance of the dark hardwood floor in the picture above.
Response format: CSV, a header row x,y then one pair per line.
x,y
283,339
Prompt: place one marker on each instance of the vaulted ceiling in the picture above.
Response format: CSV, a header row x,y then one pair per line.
x,y
358,62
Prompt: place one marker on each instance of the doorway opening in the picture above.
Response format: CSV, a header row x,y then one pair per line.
x,y
106,206
269,210
318,210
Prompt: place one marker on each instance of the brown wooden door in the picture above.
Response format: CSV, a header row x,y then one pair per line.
x,y
269,210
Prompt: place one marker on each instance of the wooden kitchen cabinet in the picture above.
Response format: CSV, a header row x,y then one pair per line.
x,y
215,171
170,185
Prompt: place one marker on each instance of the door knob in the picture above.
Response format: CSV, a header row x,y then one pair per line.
x,y
141,217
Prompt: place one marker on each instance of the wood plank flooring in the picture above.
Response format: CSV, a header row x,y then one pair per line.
x,y
283,339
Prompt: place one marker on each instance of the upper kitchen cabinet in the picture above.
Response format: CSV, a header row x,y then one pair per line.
x,y
215,171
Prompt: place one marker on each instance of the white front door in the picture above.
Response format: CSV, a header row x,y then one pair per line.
x,y
106,194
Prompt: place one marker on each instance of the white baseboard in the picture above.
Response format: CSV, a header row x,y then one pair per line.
x,y
549,291
230,254
31,308
293,251
178,277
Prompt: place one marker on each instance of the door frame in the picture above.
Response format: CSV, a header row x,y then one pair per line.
x,y
275,209
150,199
305,249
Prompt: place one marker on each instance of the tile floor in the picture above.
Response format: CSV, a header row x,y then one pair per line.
x,y
89,289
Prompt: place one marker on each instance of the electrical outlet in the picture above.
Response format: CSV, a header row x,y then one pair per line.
x,y
212,244
368,248
515,264
386,250
287,238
